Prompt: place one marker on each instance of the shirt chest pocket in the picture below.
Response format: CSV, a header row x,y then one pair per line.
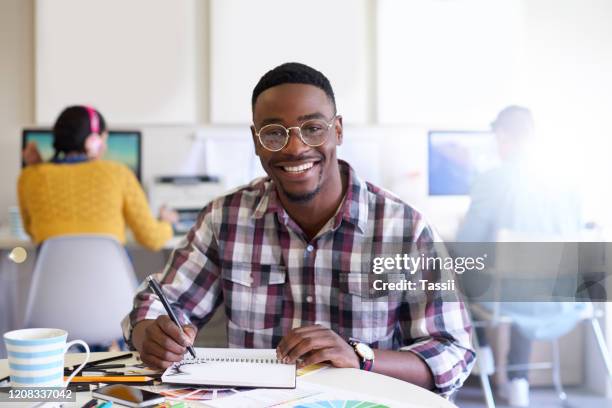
x,y
373,311
254,294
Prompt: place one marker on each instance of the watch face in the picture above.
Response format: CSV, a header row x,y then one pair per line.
x,y
364,351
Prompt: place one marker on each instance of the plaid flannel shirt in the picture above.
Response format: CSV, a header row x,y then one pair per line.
x,y
247,254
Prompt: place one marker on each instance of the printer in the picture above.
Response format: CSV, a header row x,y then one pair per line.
x,y
187,195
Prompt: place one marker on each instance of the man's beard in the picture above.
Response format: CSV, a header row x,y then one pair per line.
x,y
302,198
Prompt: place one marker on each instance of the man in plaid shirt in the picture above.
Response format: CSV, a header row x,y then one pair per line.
x,y
286,256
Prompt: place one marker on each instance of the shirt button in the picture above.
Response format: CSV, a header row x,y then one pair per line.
x,y
309,299
309,248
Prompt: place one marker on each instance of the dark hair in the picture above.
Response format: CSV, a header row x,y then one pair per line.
x,y
293,73
71,129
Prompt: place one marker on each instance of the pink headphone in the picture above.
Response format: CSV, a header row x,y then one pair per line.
x,y
94,121
94,143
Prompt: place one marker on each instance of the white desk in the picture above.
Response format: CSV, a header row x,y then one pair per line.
x,y
345,379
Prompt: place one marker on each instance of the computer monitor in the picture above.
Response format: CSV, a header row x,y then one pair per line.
x,y
124,146
456,158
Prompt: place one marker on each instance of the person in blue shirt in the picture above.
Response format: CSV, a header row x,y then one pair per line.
x,y
520,198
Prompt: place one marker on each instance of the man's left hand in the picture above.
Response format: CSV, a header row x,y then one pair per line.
x,y
316,344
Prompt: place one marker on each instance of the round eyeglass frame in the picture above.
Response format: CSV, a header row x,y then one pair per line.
x,y
299,129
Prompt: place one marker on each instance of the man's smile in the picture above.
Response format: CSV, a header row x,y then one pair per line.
x,y
298,169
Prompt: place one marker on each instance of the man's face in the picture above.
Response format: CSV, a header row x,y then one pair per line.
x,y
300,171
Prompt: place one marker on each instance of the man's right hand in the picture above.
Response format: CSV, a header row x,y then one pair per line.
x,y
160,341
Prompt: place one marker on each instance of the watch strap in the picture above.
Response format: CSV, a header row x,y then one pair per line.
x,y
364,364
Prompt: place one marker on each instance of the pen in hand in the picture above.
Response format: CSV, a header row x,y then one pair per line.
x,y
160,294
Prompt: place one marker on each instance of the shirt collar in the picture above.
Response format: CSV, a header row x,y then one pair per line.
x,y
269,202
77,158
354,207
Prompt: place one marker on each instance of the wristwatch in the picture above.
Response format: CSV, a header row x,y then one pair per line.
x,y
365,354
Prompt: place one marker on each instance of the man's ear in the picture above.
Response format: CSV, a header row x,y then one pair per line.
x,y
339,132
255,142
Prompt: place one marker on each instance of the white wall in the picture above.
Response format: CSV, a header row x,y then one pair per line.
x,y
569,87
134,60
447,63
16,91
249,38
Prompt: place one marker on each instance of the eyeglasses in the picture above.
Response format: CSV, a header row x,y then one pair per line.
x,y
313,133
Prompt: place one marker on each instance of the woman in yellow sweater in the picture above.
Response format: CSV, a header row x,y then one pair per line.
x,y
77,193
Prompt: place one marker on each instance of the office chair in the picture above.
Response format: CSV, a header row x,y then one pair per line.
x,y
84,284
571,313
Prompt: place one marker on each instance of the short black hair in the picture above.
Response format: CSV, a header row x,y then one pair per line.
x,y
293,73
72,128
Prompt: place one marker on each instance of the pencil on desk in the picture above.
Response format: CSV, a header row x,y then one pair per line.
x,y
107,366
104,360
109,359
110,378
96,373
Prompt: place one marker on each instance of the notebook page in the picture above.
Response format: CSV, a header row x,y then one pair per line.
x,y
233,367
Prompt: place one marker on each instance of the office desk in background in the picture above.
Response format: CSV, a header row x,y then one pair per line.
x,y
346,380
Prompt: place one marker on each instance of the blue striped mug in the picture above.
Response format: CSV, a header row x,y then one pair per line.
x,y
36,357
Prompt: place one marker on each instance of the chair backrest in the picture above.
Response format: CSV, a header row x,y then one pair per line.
x,y
84,284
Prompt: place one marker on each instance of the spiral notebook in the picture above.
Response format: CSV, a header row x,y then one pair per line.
x,y
232,367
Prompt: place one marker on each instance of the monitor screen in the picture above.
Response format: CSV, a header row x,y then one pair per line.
x,y
456,158
123,146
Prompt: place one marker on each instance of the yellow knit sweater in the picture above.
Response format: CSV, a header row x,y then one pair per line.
x,y
90,197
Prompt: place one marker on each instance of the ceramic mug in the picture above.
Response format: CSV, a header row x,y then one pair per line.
x,y
36,357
